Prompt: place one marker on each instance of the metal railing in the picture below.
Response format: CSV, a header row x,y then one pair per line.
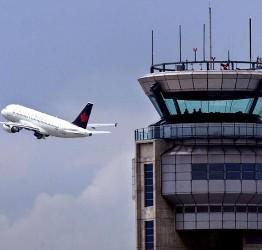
x,y
207,65
200,131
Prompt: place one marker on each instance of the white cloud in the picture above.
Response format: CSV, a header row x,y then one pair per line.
x,y
100,217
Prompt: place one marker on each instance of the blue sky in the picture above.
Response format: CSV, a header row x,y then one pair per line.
x,y
56,56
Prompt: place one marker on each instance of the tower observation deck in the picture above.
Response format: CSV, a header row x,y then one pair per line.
x,y
229,93
198,170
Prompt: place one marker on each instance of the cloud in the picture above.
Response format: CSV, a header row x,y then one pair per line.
x,y
100,217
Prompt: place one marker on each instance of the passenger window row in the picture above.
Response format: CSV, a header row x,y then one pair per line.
x,y
34,118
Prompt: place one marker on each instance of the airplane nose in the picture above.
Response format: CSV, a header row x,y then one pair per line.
x,y
3,112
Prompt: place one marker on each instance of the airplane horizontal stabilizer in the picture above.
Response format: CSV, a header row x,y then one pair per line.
x,y
99,125
99,132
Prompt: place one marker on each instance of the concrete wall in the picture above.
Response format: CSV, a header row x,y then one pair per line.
x,y
166,237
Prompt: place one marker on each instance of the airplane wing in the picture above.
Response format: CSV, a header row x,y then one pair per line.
x,y
99,125
22,126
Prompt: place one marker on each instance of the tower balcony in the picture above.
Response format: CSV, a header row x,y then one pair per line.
x,y
192,131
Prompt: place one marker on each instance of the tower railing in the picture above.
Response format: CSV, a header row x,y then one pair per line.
x,y
201,131
207,65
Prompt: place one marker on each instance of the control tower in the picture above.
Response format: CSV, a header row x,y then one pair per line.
x,y
198,171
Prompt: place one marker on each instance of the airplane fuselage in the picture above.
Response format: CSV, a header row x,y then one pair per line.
x,y
46,124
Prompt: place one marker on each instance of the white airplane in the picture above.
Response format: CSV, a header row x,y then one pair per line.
x,y
44,125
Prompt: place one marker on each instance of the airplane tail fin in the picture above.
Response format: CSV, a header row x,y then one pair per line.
x,y
83,117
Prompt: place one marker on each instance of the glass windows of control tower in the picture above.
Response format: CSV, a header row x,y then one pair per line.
x,y
220,106
148,180
228,171
149,235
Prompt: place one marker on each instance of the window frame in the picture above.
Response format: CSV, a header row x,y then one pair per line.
x,y
148,185
198,171
149,235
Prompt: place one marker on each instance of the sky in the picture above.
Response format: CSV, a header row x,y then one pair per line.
x,y
55,56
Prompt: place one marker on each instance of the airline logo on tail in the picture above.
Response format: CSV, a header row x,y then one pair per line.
x,y
84,117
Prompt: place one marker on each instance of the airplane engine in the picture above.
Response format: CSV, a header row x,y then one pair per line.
x,y
10,129
38,135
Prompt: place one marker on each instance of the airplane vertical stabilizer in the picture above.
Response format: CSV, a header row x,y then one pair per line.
x,y
83,117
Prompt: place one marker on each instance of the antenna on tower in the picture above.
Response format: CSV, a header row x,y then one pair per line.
x,y
210,31
152,48
250,39
180,44
204,42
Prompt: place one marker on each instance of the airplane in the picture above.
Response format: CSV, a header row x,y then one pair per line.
x,y
43,125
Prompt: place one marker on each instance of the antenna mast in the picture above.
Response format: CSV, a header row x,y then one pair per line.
x,y
180,44
210,31
250,39
152,48
204,42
